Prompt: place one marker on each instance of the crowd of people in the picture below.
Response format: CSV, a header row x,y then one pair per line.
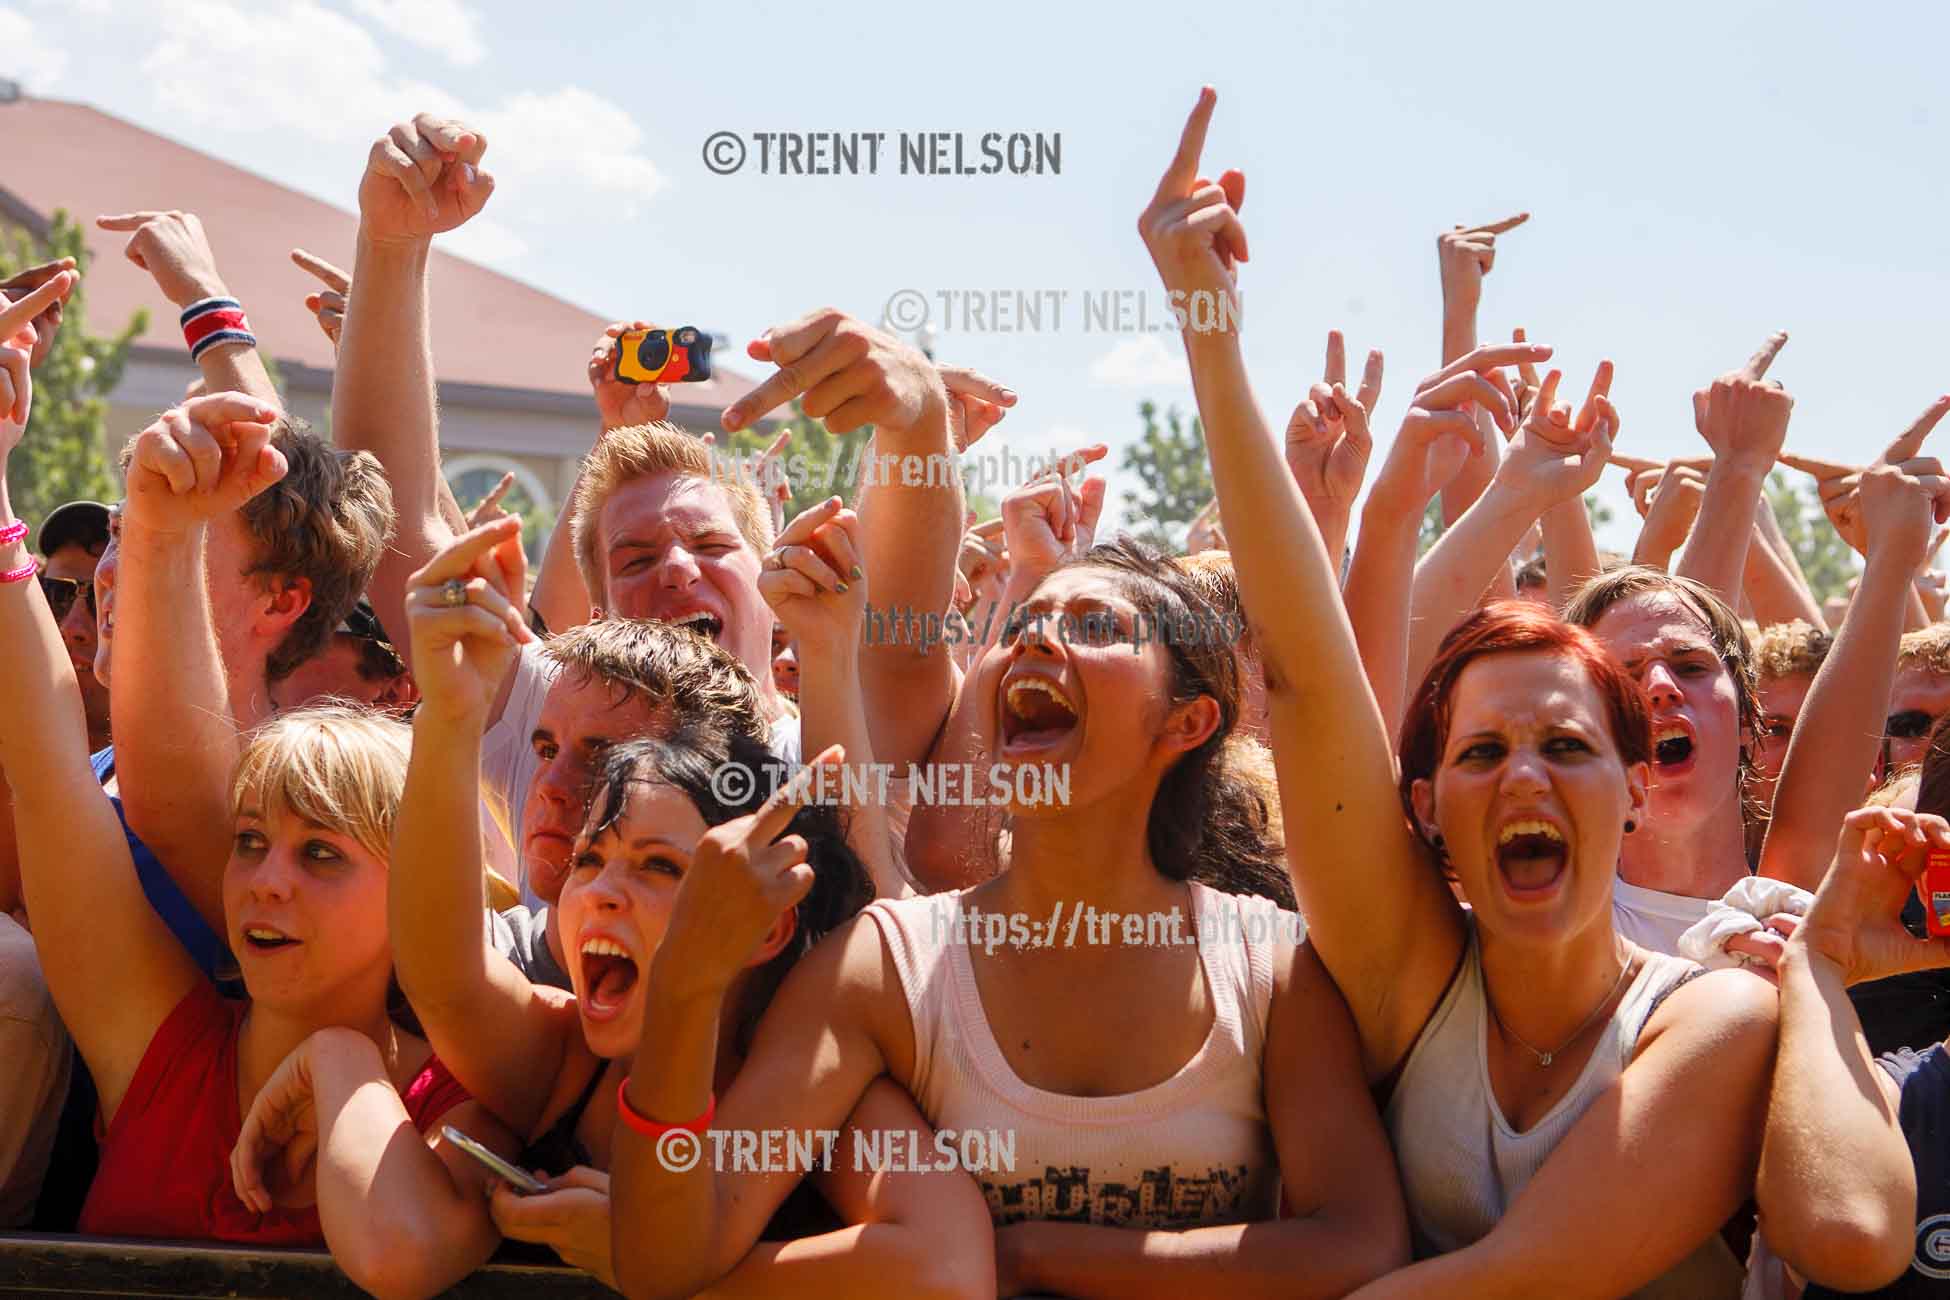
x,y
1553,921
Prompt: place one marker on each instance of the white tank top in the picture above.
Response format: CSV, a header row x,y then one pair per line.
x,y
1462,1163
1191,1151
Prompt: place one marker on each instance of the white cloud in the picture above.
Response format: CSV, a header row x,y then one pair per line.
x,y
447,27
318,79
1143,362
31,59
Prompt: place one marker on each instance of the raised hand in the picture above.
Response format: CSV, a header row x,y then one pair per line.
x,y
488,508
976,404
19,339
1046,521
329,305
200,461
1327,438
1856,920
622,404
1440,432
1527,381
744,873
21,283
773,481
1747,378
275,1162
1466,254
1668,499
1204,533
1191,226
422,178
1899,505
1556,456
813,581
463,614
845,373
172,247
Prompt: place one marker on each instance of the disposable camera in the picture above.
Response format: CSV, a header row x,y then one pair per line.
x,y
679,356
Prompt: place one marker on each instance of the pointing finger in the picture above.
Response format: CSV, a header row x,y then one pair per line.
x,y
1498,227
1758,363
1910,442
1178,177
1336,358
334,279
26,308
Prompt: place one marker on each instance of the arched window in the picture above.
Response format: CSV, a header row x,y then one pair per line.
x,y
472,477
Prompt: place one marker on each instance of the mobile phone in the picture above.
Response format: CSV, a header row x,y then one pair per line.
x,y
518,1179
1935,891
679,356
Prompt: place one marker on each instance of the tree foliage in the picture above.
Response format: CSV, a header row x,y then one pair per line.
x,y
1825,558
64,456
1170,462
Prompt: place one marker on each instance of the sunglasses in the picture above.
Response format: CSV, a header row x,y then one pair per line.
x,y
61,593
1910,724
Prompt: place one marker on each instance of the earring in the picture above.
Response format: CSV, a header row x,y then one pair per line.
x,y
1630,825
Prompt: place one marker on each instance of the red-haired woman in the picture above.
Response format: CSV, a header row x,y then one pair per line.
x,y
1572,1114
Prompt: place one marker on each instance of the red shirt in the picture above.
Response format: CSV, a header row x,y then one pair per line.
x,y
165,1163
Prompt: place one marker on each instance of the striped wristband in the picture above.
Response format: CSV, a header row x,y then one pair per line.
x,y
212,321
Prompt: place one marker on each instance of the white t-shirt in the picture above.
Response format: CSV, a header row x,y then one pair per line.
x,y
508,764
1654,919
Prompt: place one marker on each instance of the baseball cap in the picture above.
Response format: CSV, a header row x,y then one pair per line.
x,y
82,523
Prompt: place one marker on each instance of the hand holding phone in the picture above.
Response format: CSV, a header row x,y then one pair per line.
x,y
522,1182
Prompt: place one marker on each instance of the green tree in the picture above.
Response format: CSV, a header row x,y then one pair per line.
x,y
1827,560
63,457
1171,464
1432,527
818,463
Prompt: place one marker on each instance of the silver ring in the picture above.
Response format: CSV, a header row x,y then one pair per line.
x,y
453,593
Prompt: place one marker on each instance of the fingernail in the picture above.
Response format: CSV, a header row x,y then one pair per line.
x,y
467,172
1009,394
839,586
733,417
857,574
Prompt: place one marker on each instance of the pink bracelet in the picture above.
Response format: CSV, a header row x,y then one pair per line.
x,y
22,574
13,532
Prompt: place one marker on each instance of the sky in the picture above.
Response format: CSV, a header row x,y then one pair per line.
x,y
1697,174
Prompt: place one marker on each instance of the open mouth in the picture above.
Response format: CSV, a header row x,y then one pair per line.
x,y
1672,745
608,973
1531,854
1035,713
703,623
262,938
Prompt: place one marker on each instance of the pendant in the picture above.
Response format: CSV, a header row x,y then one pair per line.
x,y
1544,1060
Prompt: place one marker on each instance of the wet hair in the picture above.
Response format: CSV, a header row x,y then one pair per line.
x,y
1723,629
1514,627
1212,818
687,762
1793,649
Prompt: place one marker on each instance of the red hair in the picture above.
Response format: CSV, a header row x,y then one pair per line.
x,y
1516,627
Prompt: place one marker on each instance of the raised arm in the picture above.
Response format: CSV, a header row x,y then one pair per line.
x,y
815,585
176,723
848,375
112,965
1348,846
503,1040
1464,256
1743,417
421,178
1554,458
1433,442
172,247
1837,1183
404,1214
1838,734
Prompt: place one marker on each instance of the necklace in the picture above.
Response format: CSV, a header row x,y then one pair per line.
x,y
1545,1058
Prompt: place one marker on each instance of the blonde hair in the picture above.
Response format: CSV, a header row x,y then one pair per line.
x,y
1794,649
1218,582
336,765
624,455
1927,648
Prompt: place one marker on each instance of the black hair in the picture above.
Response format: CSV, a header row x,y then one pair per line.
x,y
691,762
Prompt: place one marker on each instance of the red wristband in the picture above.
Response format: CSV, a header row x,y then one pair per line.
x,y
22,574
651,1128
13,532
